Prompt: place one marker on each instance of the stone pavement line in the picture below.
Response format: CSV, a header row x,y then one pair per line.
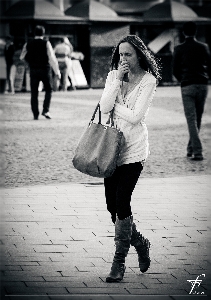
x,y
58,239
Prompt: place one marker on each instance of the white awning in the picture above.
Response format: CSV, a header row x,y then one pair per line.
x,y
161,40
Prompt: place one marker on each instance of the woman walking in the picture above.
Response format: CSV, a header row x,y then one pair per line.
x,y
129,89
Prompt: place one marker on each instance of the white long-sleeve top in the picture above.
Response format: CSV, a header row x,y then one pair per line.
x,y
129,114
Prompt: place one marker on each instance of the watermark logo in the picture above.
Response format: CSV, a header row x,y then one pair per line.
x,y
195,284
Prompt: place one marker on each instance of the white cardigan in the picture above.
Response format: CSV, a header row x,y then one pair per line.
x,y
129,114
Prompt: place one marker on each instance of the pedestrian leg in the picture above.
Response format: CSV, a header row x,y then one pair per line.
x,y
200,102
123,231
34,83
64,81
12,78
110,184
126,177
188,97
142,245
47,82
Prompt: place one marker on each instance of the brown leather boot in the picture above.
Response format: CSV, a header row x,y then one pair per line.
x,y
142,246
123,231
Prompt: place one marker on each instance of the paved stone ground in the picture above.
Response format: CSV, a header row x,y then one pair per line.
x,y
58,238
40,152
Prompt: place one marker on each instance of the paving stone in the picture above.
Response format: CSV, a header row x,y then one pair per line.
x,y
141,297
159,290
12,290
56,284
104,290
26,297
21,277
56,224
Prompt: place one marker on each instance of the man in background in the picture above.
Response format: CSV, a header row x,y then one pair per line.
x,y
192,68
9,51
40,56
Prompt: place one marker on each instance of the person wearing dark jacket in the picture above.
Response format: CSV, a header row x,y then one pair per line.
x,y
192,68
40,56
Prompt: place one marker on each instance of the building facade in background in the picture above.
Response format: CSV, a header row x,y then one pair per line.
x,y
94,27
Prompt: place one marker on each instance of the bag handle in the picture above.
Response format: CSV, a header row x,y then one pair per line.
x,y
110,118
94,113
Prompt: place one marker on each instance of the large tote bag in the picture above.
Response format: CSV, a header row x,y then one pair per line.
x,y
98,149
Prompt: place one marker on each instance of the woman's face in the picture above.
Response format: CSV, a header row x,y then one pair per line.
x,y
128,53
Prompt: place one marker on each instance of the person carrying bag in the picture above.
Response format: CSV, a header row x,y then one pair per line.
x,y
128,93
98,149
129,89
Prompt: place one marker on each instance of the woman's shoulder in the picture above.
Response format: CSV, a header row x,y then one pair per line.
x,y
149,78
112,74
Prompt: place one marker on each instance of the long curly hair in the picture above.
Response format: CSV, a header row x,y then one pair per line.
x,y
147,60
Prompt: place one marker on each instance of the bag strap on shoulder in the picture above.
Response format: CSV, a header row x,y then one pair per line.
x,y
110,118
94,113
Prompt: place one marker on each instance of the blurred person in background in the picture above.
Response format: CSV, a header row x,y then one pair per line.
x,y
40,56
192,68
9,51
18,68
63,51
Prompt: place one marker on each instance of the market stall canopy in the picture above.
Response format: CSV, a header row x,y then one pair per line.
x,y
133,7
95,11
171,11
36,10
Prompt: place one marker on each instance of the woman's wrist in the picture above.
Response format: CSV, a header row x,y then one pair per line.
x,y
120,77
118,81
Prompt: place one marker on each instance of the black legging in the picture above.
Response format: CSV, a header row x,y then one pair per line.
x,y
119,188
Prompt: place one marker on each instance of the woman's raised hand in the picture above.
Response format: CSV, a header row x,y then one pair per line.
x,y
122,70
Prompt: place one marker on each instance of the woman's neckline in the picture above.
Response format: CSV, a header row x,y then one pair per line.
x,y
133,87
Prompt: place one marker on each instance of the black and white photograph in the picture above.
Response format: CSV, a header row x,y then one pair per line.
x,y
105,149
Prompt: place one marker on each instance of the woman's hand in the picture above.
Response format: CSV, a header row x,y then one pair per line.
x,y
122,70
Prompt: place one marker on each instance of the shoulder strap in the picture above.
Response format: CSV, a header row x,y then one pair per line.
x,y
110,118
95,111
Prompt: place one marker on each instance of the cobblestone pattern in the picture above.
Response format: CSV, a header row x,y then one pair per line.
x,y
59,241
40,152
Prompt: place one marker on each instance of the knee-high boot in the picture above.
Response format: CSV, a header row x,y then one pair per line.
x,y
123,231
142,246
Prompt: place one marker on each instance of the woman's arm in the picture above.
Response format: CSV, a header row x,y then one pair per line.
x,y
24,52
110,92
142,104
